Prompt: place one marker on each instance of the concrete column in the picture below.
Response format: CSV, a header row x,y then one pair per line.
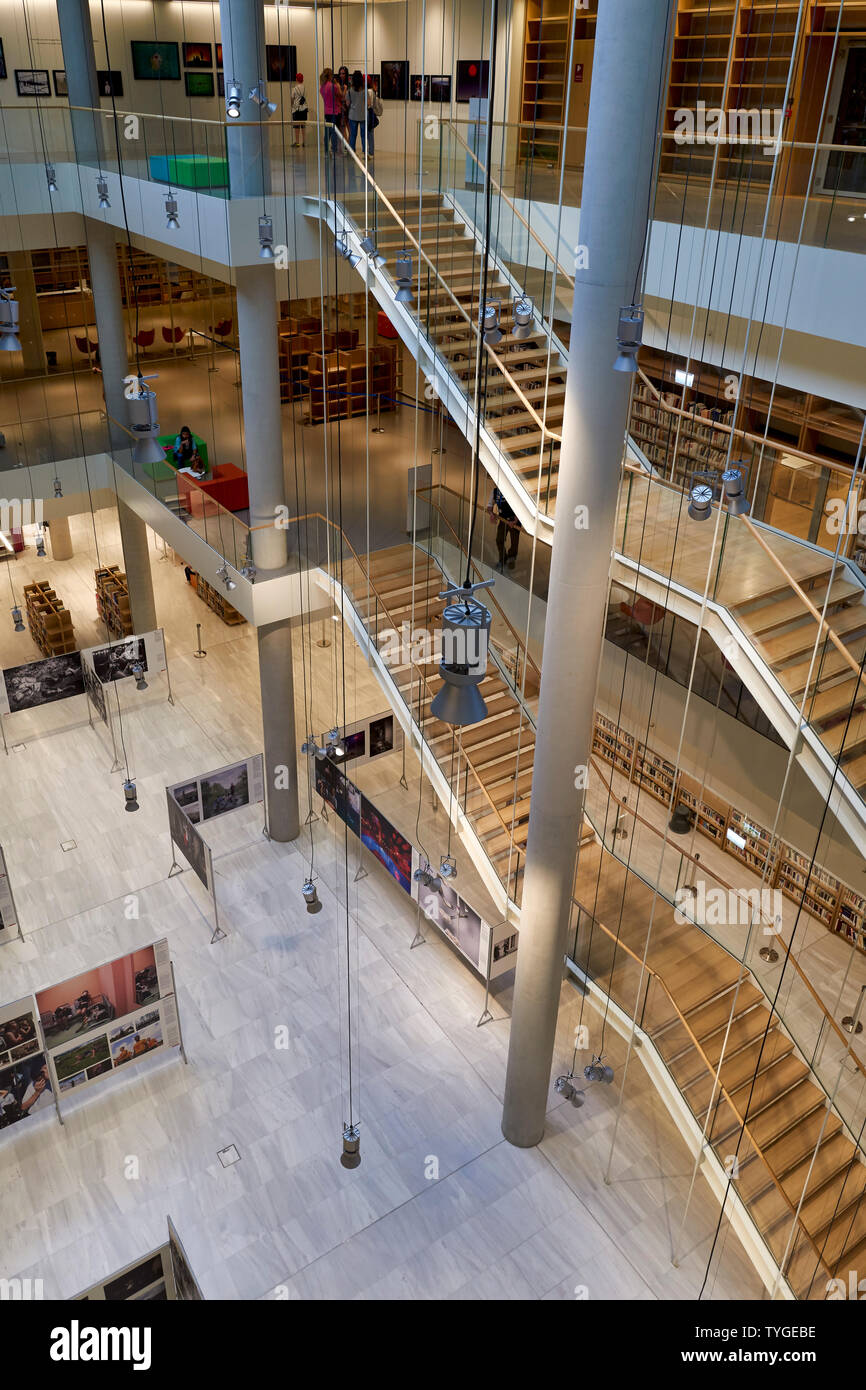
x,y
278,722
79,59
136,562
110,325
29,319
242,28
263,423
629,52
60,539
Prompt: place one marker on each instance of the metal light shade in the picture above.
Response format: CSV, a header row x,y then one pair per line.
x,y
465,638
260,97
598,1071
52,182
700,502
9,340
17,620
144,423
311,897
735,497
351,1155
490,325
171,219
130,796
523,325
629,337
368,246
266,238
459,702
403,272
233,101
680,822
102,190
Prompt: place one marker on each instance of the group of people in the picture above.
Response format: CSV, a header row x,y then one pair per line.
x,y
350,106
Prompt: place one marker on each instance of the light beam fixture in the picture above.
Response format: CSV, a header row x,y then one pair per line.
x,y
40,543
130,795
700,506
171,218
368,246
51,180
426,877
233,101
17,619
403,273
565,1087
628,338
223,574
345,250
259,95
102,190
465,638
735,496
9,340
448,866
490,323
310,896
58,488
523,326
144,425
598,1071
138,671
266,238
351,1155
311,748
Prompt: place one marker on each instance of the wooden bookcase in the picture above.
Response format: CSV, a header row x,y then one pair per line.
x,y
112,600
352,382
214,599
839,908
49,621
546,75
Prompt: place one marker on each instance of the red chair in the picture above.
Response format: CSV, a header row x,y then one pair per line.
x,y
90,351
172,335
145,338
221,329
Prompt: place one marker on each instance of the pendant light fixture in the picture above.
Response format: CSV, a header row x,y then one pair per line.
x,y
102,190
9,340
465,638
734,492
259,95
490,323
523,325
266,238
233,100
50,178
130,795
144,424
629,338
17,619
171,219
700,502
403,272
344,250
368,246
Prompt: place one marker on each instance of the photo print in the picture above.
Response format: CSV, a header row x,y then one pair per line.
x,y
81,1055
473,78
419,86
61,86
453,916
199,84
339,793
186,1290
197,55
138,1044
115,662
43,682
355,745
189,842
186,795
79,1079
225,790
395,81
155,62
138,1282
440,87
32,82
391,848
17,1026
96,997
381,736
281,62
221,83
219,55
95,692
110,84
25,1088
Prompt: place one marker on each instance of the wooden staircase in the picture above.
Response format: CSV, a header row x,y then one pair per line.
x,y
451,247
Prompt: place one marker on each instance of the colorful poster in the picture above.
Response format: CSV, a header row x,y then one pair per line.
x,y
76,1007
128,1039
395,81
390,847
473,78
339,793
368,739
187,839
25,1089
226,789
19,1036
155,62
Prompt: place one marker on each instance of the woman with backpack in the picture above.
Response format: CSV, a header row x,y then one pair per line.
x,y
360,100
299,112
374,112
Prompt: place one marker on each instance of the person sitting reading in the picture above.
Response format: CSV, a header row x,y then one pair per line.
x,y
185,454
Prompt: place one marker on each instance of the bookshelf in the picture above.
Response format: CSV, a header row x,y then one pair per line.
x,y
655,773
818,890
112,600
214,599
50,622
710,813
613,744
546,45
352,381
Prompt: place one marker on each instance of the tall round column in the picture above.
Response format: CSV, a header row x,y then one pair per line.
x,y
60,539
278,723
242,29
29,318
79,59
627,77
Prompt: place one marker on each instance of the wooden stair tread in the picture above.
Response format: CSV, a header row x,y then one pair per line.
x,y
802,639
779,611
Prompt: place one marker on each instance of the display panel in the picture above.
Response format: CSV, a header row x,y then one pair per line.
x,y
42,682
95,692
391,848
8,915
186,1288
32,82
110,83
444,907
223,790
25,1089
189,842
419,86
79,1005
440,87
155,62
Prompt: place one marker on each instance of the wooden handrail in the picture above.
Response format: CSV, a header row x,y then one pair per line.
x,y
741,1119
705,868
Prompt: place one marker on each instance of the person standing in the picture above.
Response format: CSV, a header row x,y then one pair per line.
x,y
359,103
508,527
332,101
374,113
299,112
343,79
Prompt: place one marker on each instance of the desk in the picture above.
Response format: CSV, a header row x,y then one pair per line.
x,y
228,487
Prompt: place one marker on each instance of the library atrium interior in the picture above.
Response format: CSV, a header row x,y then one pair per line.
x,y
468,387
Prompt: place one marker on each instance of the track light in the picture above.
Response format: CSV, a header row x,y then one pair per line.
x,y
40,543
266,238
564,1086
465,637
311,897
598,1071
233,101
368,246
130,795
259,95
403,272
223,574
144,424
448,866
138,672
629,336
171,218
426,876
102,190
58,488
9,340
345,250
311,748
17,619
351,1155
523,325
490,324
49,175
700,502
735,497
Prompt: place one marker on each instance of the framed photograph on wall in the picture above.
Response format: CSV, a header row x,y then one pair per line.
x,y
221,84
473,78
219,55
281,62
155,62
32,82
395,81
61,87
110,84
3,72
199,84
197,55
419,85
440,87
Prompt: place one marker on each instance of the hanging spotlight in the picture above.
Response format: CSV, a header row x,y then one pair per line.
x,y
351,1155
597,1071
334,745
259,95
144,425
564,1086
345,250
523,325
403,271
490,323
17,619
680,822
9,340
426,876
448,866
40,543
249,571
223,574
233,100
138,671
102,190
735,497
171,218
368,246
311,748
311,897
58,488
700,502
629,336
49,175
130,795
266,238
465,636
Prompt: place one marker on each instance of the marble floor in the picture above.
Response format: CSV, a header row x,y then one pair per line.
x,y
441,1206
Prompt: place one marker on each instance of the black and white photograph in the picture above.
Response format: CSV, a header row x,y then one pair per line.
x,y
32,82
43,682
186,795
115,662
134,1282
453,915
95,692
110,83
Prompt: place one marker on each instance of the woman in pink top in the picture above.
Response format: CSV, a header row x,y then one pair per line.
x,y
332,98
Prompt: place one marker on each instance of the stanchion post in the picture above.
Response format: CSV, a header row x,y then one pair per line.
x,y
200,651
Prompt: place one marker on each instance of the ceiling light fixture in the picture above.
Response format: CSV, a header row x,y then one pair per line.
x,y
448,866
171,218
700,502
403,272
345,250
735,496
102,190
351,1155
629,337
598,1071
565,1087
266,238
233,101
523,325
223,574
58,488
368,246
465,638
17,620
9,340
490,323
52,182
144,424
138,671
130,795
311,897
259,95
